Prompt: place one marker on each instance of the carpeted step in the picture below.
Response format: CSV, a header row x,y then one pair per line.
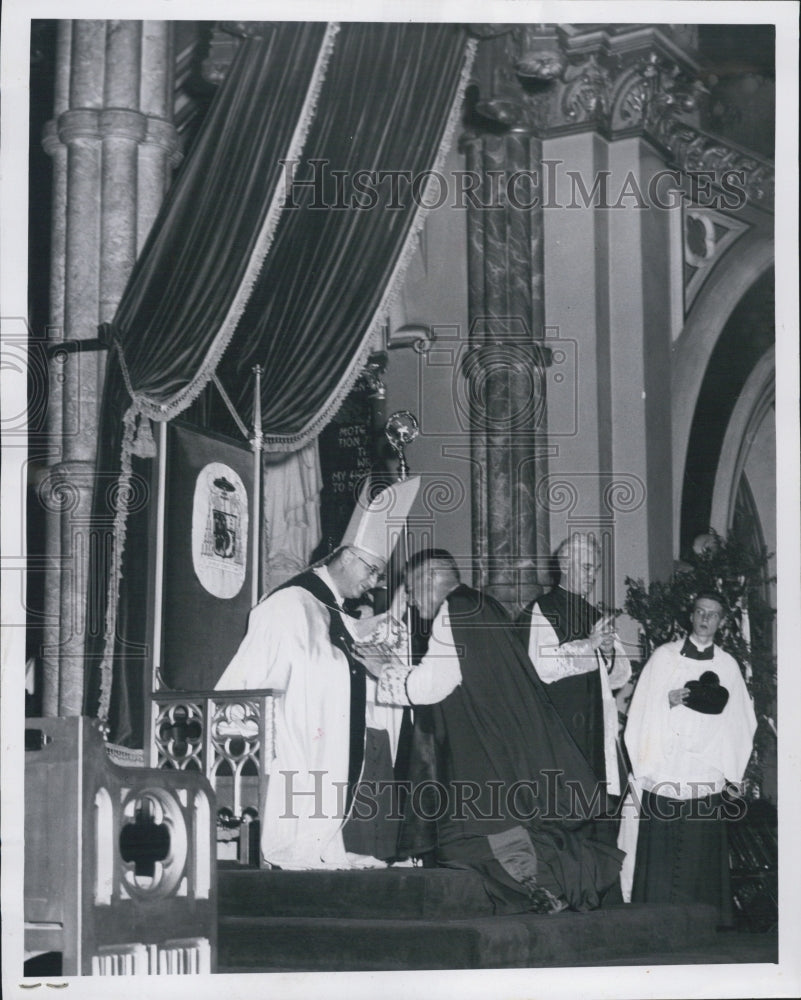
x,y
726,948
332,945
391,893
525,941
618,930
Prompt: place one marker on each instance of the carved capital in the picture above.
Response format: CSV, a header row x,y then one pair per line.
x,y
617,80
555,79
585,94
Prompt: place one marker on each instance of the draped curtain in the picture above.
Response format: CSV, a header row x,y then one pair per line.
x,y
329,276
247,265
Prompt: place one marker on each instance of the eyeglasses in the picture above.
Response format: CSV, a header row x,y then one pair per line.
x,y
374,571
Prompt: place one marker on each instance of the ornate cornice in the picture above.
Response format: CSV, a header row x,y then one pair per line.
x,y
694,151
617,80
555,79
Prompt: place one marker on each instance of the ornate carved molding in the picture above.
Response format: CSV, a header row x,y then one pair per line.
x,y
692,150
555,79
617,80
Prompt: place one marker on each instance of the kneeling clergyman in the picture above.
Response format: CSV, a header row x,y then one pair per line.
x,y
299,643
512,780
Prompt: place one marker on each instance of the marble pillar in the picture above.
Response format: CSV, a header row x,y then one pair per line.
x,y
505,366
113,145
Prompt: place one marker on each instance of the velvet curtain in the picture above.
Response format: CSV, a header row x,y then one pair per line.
x,y
184,287
244,267
385,103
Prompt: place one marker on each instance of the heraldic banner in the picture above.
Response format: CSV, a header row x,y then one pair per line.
x,y
207,555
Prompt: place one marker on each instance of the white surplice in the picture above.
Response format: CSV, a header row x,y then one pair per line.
x,y
553,662
679,752
287,648
676,751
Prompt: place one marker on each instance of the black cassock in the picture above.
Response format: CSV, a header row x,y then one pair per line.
x,y
577,699
497,740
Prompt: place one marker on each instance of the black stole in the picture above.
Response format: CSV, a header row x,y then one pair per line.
x,y
416,763
577,699
342,640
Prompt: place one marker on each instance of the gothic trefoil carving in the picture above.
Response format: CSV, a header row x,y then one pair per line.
x,y
708,234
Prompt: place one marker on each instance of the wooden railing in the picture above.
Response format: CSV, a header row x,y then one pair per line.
x,y
117,859
229,738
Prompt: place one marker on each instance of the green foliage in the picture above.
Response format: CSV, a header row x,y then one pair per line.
x,y
663,609
740,575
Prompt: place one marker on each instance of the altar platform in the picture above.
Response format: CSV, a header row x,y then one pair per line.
x,y
415,918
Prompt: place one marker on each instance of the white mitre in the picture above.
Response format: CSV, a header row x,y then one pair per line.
x,y
377,523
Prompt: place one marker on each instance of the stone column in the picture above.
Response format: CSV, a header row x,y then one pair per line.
x,y
158,151
505,364
104,116
58,235
537,82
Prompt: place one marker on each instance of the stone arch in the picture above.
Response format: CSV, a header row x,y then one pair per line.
x,y
752,408
745,264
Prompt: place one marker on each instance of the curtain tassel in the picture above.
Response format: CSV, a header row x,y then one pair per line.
x,y
143,444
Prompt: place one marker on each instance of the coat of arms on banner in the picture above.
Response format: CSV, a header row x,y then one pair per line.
x,y
220,530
